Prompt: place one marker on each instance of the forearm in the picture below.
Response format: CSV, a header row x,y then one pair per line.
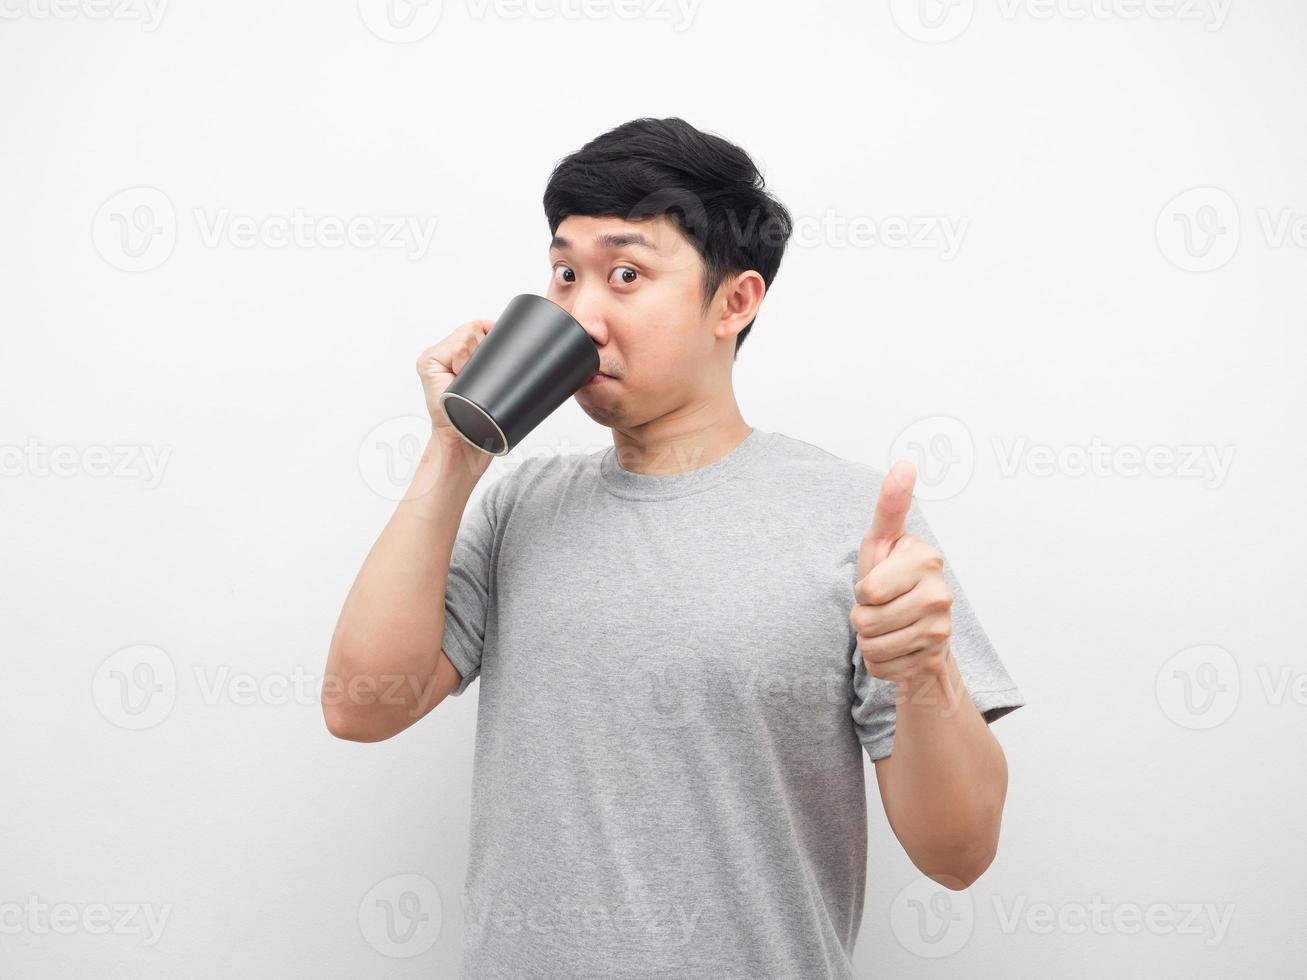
x,y
386,645
945,787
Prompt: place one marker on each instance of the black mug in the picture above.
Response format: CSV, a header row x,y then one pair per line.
x,y
534,357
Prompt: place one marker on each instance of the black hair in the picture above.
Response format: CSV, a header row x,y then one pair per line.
x,y
710,188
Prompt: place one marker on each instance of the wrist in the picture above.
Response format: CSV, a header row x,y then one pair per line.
x,y
939,686
456,455
445,471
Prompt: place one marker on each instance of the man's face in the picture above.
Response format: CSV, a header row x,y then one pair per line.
x,y
637,288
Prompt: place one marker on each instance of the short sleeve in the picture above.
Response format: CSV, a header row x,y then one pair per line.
x,y
992,690
467,590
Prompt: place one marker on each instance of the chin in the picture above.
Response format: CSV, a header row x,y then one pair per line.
x,y
604,416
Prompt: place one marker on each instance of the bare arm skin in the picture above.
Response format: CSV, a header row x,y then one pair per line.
x,y
944,787
385,668
945,783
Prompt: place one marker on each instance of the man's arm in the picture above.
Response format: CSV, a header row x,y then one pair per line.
x,y
944,785
385,668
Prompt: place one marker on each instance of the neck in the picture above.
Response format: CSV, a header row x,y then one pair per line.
x,y
686,439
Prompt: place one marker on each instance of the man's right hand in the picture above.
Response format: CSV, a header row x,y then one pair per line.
x,y
389,626
437,366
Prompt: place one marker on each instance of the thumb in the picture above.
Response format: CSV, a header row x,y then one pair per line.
x,y
891,513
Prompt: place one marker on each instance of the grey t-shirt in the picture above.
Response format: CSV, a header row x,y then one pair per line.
x,y
668,776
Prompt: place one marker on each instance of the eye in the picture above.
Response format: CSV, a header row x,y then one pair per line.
x,y
565,272
628,274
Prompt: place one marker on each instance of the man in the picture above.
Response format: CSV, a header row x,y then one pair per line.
x,y
686,641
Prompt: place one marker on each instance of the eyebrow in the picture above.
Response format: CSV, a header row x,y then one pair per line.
x,y
610,240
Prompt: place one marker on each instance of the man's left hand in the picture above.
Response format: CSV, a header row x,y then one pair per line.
x,y
902,612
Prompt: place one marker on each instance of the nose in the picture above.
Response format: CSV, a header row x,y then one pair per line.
x,y
587,310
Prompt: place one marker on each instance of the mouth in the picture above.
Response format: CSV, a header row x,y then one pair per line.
x,y
598,378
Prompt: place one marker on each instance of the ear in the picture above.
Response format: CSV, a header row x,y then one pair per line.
x,y
738,299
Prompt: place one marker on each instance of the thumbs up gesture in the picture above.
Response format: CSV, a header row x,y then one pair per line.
x,y
902,612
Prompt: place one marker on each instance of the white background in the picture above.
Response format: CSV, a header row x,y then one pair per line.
x,y
1064,139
